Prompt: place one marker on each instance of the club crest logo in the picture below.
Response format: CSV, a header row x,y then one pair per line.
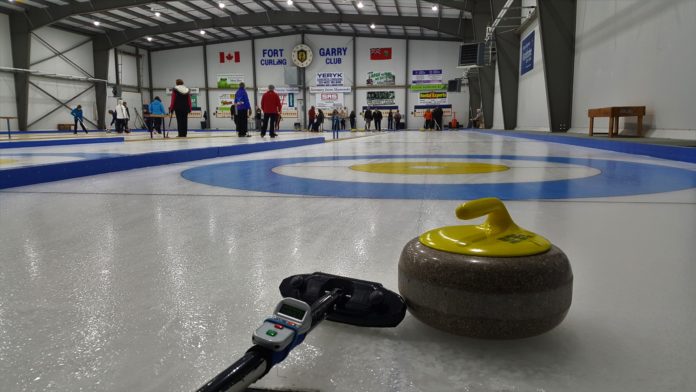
x,y
302,55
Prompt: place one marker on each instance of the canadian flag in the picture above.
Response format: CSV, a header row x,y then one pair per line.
x,y
228,57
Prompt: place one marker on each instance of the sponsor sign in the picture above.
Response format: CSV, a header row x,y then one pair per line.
x,y
380,79
329,78
273,57
426,76
380,53
329,101
376,98
229,80
427,87
432,97
229,57
223,105
329,89
527,56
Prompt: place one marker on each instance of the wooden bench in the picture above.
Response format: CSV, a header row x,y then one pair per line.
x,y
65,127
614,112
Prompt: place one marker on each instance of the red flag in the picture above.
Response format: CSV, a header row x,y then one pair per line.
x,y
380,54
229,57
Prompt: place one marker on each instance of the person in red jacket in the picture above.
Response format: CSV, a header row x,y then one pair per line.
x,y
270,104
181,106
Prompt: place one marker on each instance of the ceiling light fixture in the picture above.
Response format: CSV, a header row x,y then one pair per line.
x,y
221,5
96,23
360,4
289,2
202,32
372,26
434,7
149,39
158,14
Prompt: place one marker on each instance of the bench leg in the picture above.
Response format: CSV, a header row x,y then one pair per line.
x,y
640,126
616,126
591,126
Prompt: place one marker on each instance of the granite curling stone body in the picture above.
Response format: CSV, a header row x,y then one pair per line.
x,y
495,280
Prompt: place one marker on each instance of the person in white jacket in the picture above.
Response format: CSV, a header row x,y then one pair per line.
x,y
121,117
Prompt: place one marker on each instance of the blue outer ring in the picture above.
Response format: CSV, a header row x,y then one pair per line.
x,y
617,178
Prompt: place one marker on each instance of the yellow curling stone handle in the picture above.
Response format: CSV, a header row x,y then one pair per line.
x,y
498,236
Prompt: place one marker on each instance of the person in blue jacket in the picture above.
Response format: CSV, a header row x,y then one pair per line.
x,y
243,109
77,115
156,107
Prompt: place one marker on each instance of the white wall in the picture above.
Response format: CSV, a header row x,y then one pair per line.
x,y
330,63
444,55
637,52
8,102
243,67
39,102
270,65
532,104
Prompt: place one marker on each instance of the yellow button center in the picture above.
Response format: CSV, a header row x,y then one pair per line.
x,y
429,167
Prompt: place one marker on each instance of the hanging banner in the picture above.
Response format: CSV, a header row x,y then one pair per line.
x,y
229,80
380,79
527,57
329,101
375,98
329,89
223,105
426,76
432,98
329,78
380,53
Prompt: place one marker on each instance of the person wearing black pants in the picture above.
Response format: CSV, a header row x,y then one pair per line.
x,y
181,106
272,107
243,107
77,114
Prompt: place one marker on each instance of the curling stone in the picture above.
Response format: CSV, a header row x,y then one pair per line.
x,y
495,280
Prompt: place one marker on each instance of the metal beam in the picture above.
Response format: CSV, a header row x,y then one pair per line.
x,y
508,50
100,55
557,26
295,32
206,86
487,83
20,35
39,17
272,18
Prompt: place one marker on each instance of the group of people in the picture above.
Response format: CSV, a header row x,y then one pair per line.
x,y
338,119
393,119
267,117
433,119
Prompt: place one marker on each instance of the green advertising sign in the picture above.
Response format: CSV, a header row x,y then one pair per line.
x,y
428,87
